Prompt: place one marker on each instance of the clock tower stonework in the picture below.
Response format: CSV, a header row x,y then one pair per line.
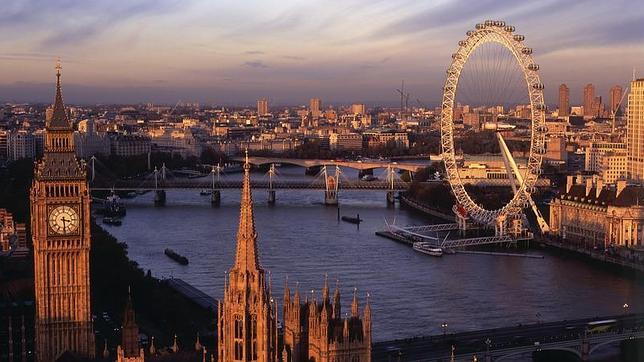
x,y
60,215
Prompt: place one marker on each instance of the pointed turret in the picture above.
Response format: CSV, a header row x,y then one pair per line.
x,y
296,298
366,326
153,349
198,345
367,311
130,340
106,352
175,346
287,293
246,255
337,309
325,290
354,304
59,119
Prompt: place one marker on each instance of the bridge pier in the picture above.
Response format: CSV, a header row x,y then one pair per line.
x,y
585,348
391,198
271,197
215,198
159,198
330,197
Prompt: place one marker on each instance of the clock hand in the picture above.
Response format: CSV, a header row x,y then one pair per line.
x,y
63,219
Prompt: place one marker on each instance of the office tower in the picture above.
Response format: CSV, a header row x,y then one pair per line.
x,y
564,100
314,107
616,93
262,106
589,99
358,108
635,131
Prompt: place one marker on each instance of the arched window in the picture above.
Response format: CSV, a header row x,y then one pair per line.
x,y
239,338
253,337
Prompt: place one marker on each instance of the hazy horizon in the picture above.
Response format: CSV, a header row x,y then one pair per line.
x,y
347,51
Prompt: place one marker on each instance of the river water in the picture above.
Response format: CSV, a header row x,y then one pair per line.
x,y
411,294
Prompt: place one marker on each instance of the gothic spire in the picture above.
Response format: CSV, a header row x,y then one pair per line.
x,y
354,303
325,289
287,292
130,333
59,117
336,301
246,255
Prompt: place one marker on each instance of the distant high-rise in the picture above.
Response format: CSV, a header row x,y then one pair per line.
x,y
589,99
262,106
314,106
635,131
358,108
616,93
564,100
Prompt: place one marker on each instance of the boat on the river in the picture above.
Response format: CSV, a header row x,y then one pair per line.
x,y
114,221
369,178
428,248
113,206
353,220
205,192
176,257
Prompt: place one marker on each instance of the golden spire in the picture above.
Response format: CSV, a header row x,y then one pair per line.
x,y
354,303
246,255
325,289
59,118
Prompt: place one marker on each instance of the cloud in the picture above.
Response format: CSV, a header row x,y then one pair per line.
x,y
255,64
73,21
293,57
254,52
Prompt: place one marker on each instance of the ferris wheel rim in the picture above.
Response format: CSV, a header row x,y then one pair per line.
x,y
494,32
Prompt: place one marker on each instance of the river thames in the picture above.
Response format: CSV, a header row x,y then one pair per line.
x,y
411,294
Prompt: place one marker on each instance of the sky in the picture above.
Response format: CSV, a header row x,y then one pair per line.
x,y
232,52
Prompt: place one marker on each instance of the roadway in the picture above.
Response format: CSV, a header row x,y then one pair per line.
x,y
504,341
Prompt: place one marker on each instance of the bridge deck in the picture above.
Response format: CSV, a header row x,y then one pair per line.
x,y
206,184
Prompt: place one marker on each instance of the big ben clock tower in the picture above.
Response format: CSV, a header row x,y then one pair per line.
x,y
60,213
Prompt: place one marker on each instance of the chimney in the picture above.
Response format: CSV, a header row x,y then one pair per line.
x,y
598,187
569,182
621,185
589,186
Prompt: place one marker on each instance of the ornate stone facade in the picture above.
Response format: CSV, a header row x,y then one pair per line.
x,y
247,316
316,331
591,214
60,227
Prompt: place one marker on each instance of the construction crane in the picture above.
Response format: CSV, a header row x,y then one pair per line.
x,y
614,111
404,99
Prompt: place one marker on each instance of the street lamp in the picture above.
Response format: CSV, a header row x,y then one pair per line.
x,y
625,307
444,326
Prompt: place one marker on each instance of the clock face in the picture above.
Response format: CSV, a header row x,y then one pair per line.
x,y
64,220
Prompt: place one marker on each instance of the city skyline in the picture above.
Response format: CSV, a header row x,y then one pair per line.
x,y
347,52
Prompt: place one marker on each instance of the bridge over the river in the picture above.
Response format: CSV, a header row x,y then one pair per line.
x,y
329,179
515,343
358,165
